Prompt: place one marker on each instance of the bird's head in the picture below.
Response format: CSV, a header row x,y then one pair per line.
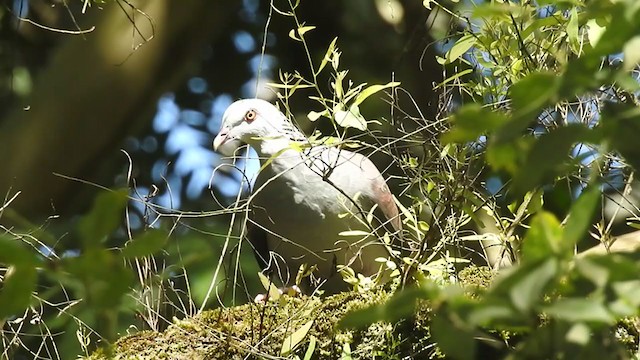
x,y
253,121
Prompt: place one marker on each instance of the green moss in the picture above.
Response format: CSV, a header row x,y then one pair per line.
x,y
255,330
259,331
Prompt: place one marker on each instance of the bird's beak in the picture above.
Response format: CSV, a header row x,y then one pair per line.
x,y
221,138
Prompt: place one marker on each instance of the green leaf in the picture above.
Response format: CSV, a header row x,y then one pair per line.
x,y
580,217
104,218
459,48
597,274
620,267
293,340
492,311
471,121
453,338
14,252
628,301
17,286
544,238
572,31
103,278
560,2
529,290
616,32
545,158
290,87
510,155
150,242
620,125
539,24
534,92
370,90
19,281
529,97
589,310
525,284
310,350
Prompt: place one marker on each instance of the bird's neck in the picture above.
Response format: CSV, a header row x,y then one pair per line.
x,y
288,137
270,147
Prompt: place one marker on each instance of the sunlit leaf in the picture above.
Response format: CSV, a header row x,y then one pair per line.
x,y
493,311
495,9
351,118
631,53
295,338
315,115
595,29
327,56
370,90
618,31
308,355
273,292
454,77
297,34
572,31
289,86
529,97
510,155
579,334
459,48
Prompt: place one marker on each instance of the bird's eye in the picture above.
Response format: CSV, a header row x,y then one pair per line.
x,y
250,115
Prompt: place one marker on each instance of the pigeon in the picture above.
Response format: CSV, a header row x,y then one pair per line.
x,y
314,205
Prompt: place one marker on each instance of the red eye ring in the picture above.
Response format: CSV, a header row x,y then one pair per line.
x,y
250,115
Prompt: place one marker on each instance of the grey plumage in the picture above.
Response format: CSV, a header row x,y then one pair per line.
x,y
303,200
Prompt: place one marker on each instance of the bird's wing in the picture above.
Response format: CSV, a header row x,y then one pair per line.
x,y
386,203
356,174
